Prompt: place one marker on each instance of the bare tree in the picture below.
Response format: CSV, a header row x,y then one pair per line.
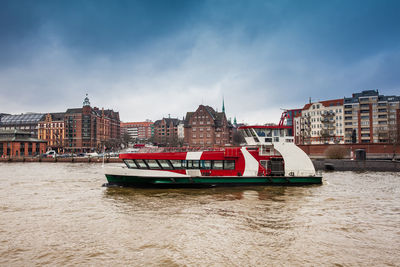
x,y
394,137
237,138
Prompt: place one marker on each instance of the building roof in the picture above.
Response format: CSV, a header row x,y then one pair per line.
x,y
355,97
133,124
174,121
28,118
109,113
74,110
18,136
218,117
366,93
326,103
57,116
391,98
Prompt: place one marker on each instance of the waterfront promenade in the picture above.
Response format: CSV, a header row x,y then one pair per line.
x,y
62,159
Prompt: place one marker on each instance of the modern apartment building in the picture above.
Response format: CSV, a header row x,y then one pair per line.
x,y
139,131
206,128
371,118
320,123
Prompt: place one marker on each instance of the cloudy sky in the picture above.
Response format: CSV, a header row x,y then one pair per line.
x,y
147,59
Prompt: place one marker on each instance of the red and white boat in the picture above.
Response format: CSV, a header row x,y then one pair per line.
x,y
269,158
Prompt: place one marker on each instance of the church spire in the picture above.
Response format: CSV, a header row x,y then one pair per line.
x,y
223,105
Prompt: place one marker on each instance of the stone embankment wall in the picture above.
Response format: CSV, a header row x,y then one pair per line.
x,y
372,150
356,165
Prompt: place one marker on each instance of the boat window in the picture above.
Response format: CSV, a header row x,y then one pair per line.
x,y
164,164
282,132
247,133
269,132
229,164
276,132
263,163
153,164
218,164
268,140
260,132
141,164
178,164
130,163
252,132
193,164
205,164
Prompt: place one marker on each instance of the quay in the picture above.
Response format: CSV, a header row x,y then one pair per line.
x,y
62,160
376,165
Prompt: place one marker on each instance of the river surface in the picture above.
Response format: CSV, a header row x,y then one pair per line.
x,y
59,214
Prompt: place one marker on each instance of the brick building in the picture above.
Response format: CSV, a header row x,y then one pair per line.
x,y
18,143
166,132
206,128
51,128
371,117
89,129
140,131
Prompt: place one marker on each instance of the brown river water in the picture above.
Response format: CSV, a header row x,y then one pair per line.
x,y
59,214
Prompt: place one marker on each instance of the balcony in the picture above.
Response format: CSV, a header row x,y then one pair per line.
x,y
328,122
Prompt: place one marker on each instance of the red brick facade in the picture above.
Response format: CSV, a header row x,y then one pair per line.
x,y
319,150
16,143
166,132
207,128
89,129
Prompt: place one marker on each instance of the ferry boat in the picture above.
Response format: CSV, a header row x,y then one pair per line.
x,y
269,158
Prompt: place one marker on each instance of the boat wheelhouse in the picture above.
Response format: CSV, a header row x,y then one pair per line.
x,y
270,157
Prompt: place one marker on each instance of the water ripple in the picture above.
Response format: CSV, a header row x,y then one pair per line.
x,y
58,214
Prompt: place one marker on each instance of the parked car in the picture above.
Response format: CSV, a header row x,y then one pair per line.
x,y
50,154
94,154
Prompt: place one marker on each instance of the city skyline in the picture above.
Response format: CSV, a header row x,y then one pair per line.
x,y
132,56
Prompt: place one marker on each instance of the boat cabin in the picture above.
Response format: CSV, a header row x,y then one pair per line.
x,y
266,135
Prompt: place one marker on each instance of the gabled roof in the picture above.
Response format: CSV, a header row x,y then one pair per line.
x,y
59,116
168,121
217,117
326,103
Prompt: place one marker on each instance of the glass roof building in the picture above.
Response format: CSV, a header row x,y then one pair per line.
x,y
27,122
